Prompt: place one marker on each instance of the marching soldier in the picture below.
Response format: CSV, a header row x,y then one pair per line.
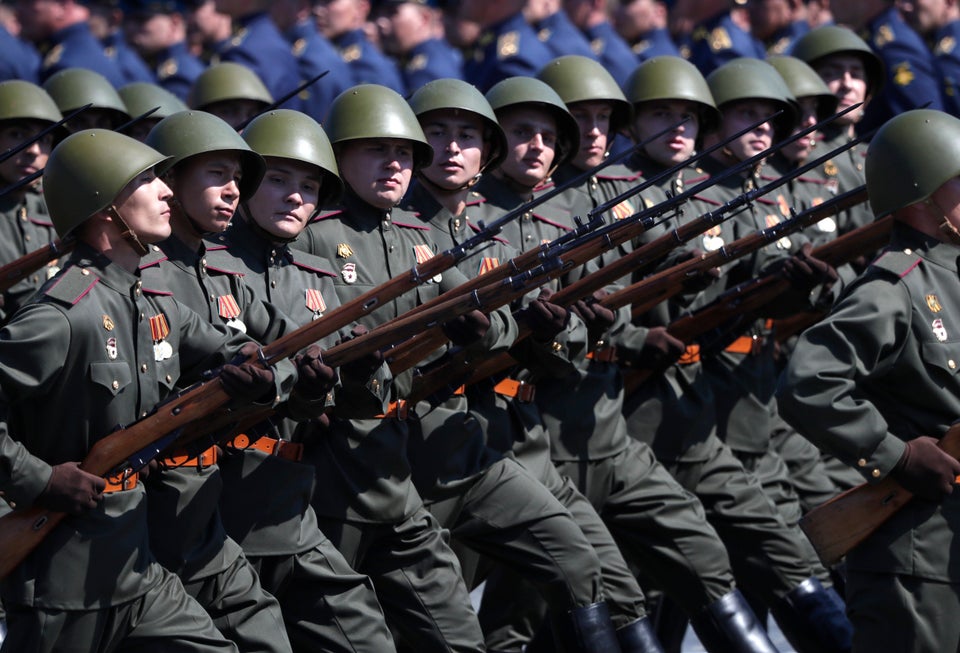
x,y
716,38
25,226
939,25
874,384
231,92
777,23
73,88
592,17
412,32
140,97
643,23
95,337
106,24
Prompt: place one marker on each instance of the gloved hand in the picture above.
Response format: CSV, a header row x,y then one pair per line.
x,y
544,318
248,382
314,379
700,281
71,490
597,317
467,329
660,350
806,272
925,469
360,370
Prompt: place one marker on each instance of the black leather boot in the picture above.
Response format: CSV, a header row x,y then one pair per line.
x,y
728,625
638,637
814,619
587,629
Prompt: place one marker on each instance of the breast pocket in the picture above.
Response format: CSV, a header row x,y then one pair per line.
x,y
168,371
944,356
114,376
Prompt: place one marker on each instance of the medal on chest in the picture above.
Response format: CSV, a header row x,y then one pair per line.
x,y
159,330
314,302
423,253
229,310
712,240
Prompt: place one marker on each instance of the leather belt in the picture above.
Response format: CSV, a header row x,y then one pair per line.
x,y
690,355
398,409
126,480
519,390
271,446
205,459
603,355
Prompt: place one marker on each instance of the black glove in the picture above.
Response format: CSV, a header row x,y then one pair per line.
x,y
597,317
467,329
314,379
545,318
925,469
248,382
806,272
660,350
71,490
700,281
360,370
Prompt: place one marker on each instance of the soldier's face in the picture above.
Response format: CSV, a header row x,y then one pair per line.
x,y
676,145
152,32
846,78
287,197
635,19
377,169
39,18
737,116
458,147
768,16
336,17
531,145
925,16
593,119
28,161
403,26
207,189
143,206
801,149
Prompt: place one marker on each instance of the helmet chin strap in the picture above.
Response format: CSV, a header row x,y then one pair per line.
x,y
127,233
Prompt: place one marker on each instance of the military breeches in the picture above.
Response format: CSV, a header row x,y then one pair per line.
x,y
327,606
659,526
417,579
164,620
241,609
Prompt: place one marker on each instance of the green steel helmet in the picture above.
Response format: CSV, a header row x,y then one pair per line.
x,y
294,135
803,81
227,81
20,100
374,111
672,78
833,39
576,78
518,91
746,78
75,87
189,133
910,157
140,97
87,171
458,95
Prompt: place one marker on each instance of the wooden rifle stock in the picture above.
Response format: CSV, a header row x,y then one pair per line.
x,y
23,267
846,520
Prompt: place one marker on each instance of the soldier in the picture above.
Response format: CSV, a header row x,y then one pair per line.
x,y
555,30
19,60
61,33
257,44
73,88
25,110
592,17
93,584
844,389
314,54
211,157
106,23
141,97
643,24
342,21
716,38
412,31
939,24
659,526
777,23
506,47
371,509
231,92
157,29
910,79
208,30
